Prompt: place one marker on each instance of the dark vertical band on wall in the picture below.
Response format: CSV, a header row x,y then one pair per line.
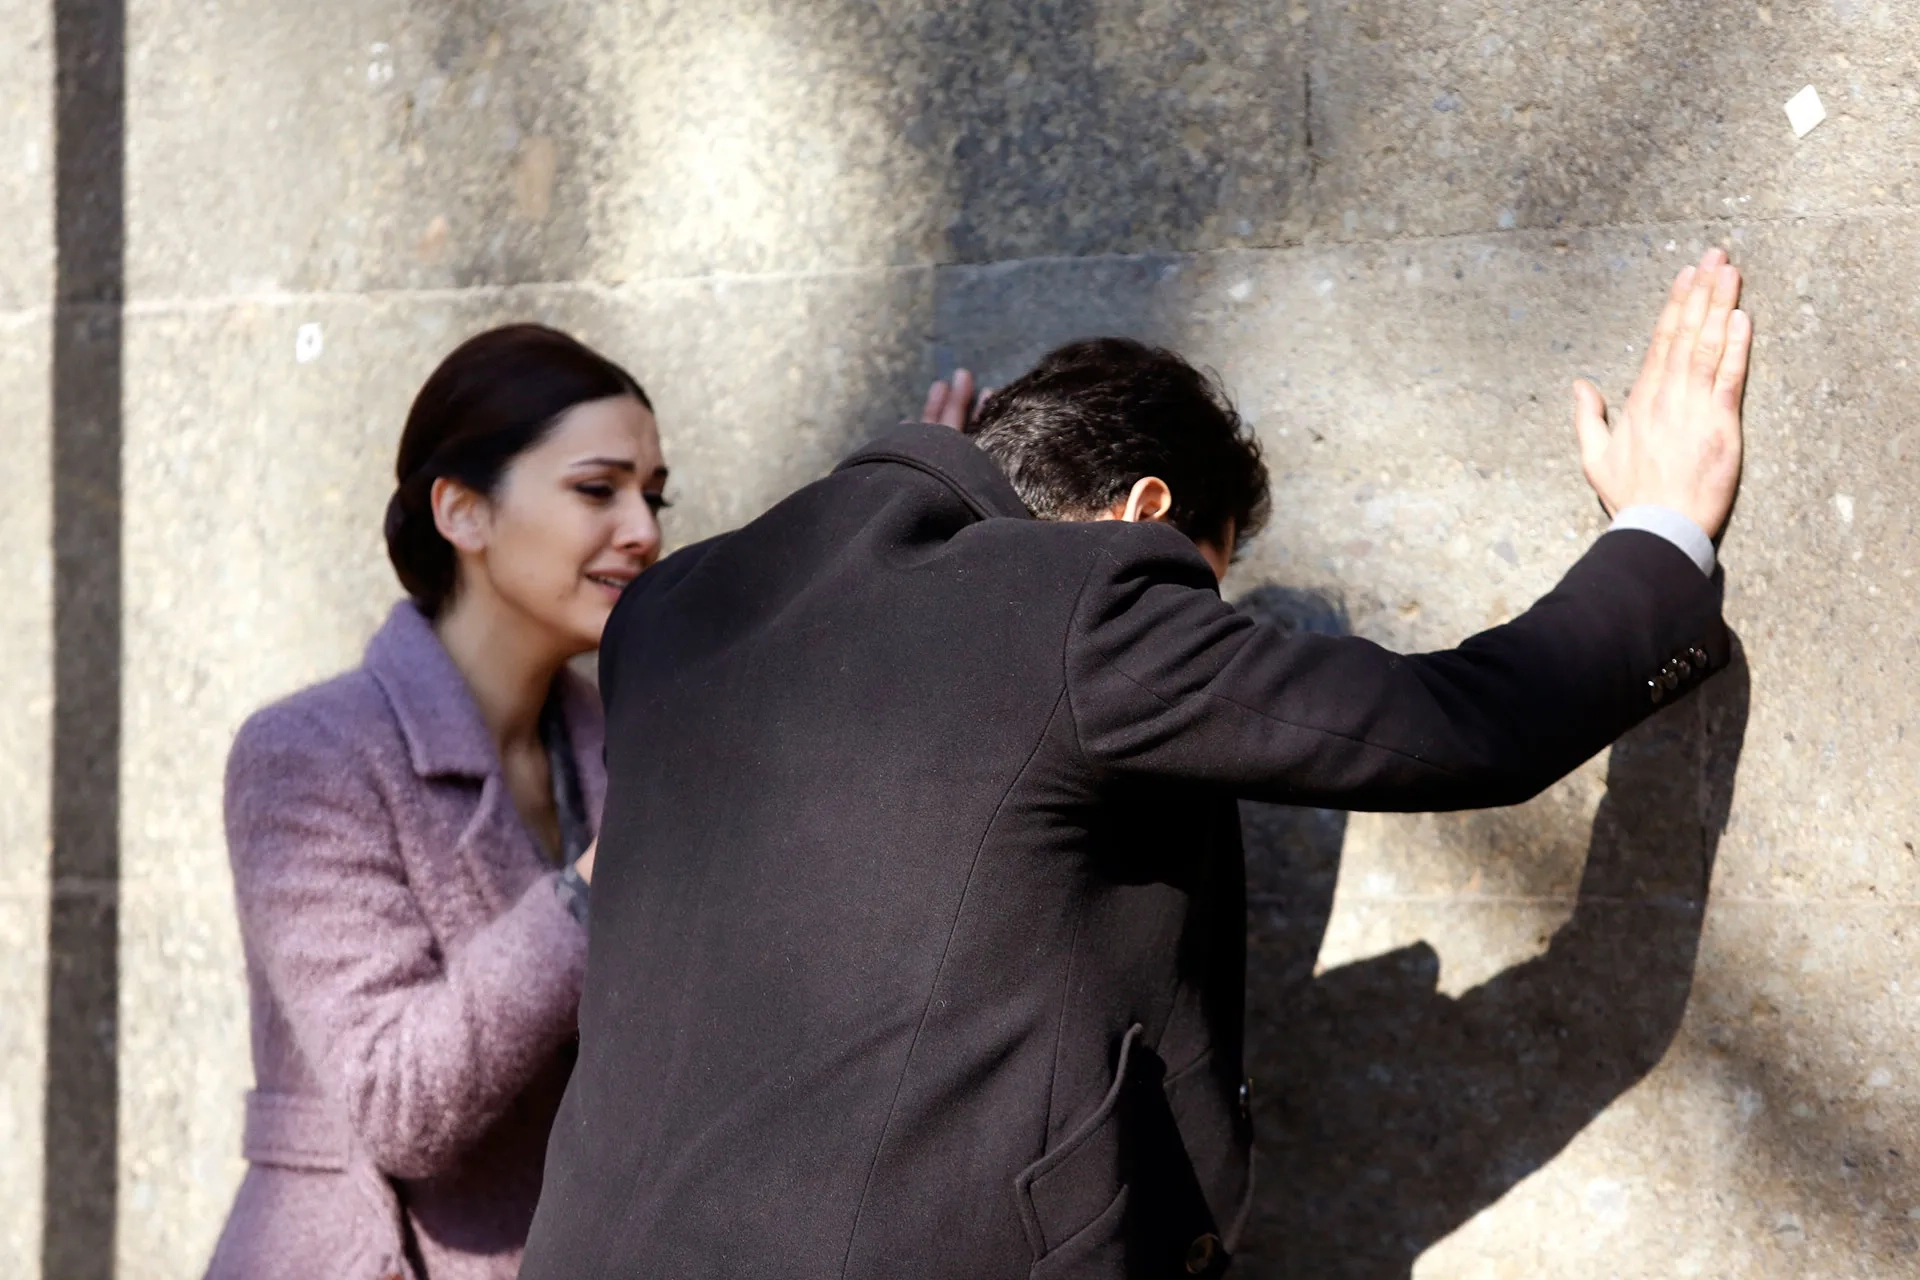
x,y
83,982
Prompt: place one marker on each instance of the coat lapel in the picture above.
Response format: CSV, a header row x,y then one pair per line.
x,y
496,848
448,742
438,717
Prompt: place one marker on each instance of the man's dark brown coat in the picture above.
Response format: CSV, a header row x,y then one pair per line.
x,y
917,939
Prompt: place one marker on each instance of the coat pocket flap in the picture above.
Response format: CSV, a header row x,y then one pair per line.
x,y
1071,1185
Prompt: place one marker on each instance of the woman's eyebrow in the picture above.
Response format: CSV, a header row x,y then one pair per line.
x,y
657,478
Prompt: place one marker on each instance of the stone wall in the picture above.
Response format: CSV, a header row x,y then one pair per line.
x,y
1504,1044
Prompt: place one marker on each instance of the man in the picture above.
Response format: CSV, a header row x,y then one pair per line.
x,y
918,945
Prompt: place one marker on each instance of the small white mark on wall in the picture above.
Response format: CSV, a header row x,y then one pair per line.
x,y
1606,1200
1843,506
1805,111
380,69
1241,290
308,343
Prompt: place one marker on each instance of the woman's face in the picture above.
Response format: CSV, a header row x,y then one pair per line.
x,y
574,520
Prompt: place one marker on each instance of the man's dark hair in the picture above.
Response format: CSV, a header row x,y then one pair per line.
x,y
1078,430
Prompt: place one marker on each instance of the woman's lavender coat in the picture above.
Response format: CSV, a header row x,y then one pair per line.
x,y
414,977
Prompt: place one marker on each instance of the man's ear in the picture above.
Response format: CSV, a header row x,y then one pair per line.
x,y
1150,499
460,515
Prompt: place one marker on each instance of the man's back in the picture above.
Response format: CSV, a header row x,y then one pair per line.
x,y
917,935
836,1017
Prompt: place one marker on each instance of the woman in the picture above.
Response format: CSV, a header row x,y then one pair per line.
x,y
411,842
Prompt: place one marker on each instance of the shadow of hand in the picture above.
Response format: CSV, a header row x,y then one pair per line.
x,y
1392,1113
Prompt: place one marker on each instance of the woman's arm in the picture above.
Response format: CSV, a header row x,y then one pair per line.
x,y
425,1050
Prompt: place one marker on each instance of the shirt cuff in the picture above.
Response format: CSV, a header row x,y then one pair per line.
x,y
1667,523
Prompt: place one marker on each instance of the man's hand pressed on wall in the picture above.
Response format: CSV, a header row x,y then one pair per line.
x,y
1677,444
953,405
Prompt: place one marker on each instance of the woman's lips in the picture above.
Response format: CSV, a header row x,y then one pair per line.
x,y
611,583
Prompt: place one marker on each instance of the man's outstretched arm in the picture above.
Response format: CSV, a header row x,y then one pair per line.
x,y
1163,678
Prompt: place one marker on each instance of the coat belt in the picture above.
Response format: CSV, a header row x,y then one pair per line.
x,y
295,1131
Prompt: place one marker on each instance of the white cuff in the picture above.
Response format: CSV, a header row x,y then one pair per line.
x,y
1667,523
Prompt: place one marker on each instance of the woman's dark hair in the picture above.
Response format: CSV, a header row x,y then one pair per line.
x,y
1078,430
496,396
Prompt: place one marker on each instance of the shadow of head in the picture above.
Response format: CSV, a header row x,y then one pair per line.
x,y
1393,1113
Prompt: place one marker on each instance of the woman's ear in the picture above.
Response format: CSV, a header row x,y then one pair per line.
x,y
1150,500
460,515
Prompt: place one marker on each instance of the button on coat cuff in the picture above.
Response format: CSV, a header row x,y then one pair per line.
x,y
1676,528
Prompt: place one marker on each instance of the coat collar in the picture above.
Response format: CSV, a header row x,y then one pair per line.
x,y
951,458
438,716
439,719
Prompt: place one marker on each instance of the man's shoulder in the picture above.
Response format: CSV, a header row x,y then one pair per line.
x,y
1123,555
1083,540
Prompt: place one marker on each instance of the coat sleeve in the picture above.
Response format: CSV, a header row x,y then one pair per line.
x,y
426,1050
1163,678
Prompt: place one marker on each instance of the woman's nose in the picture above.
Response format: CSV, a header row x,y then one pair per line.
x,y
639,533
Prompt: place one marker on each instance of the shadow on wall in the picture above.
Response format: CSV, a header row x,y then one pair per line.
x,y
81,1142
1390,1113
1112,126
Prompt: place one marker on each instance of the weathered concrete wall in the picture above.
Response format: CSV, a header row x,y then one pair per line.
x,y
26,620
1522,1047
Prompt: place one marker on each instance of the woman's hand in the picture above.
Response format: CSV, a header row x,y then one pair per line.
x,y
952,405
584,863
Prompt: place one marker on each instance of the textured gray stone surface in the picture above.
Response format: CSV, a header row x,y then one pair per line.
x,y
338,148
1495,1045
26,675
514,142
26,154
26,690
1434,119
821,135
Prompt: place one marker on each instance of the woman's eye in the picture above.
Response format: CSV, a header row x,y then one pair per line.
x,y
597,491
656,502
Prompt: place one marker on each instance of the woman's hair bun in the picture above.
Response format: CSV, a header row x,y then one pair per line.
x,y
421,557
